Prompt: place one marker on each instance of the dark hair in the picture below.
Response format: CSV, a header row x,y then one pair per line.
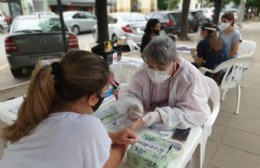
x,y
78,74
229,16
83,73
210,27
215,42
150,23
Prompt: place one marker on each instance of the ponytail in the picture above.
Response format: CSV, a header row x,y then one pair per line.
x,y
215,43
36,106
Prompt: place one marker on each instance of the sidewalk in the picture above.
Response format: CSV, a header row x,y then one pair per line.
x,y
235,139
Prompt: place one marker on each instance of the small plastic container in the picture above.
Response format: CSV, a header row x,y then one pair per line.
x,y
109,91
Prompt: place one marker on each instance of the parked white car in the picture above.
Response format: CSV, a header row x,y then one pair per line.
x,y
44,13
124,25
79,21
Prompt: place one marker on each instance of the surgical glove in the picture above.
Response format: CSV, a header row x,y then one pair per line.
x,y
151,118
135,112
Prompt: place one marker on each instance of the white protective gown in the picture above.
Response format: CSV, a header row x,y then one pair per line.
x,y
182,101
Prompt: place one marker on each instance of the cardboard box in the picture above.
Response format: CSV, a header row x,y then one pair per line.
x,y
150,151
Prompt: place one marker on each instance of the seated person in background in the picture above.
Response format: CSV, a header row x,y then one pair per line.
x,y
211,51
152,30
167,89
229,34
54,126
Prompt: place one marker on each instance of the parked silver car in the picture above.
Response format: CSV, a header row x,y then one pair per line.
x,y
33,38
79,21
125,25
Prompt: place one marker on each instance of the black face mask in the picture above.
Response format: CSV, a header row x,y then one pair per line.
x,y
98,103
157,32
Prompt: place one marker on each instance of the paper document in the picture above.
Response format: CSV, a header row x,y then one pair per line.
x,y
183,48
13,105
107,114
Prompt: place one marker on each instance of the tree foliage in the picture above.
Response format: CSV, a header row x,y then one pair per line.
x,y
225,2
167,4
255,3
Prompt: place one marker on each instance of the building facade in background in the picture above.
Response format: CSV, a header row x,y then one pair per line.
x,y
194,4
143,6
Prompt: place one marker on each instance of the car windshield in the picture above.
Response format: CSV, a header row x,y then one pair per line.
x,y
133,17
33,25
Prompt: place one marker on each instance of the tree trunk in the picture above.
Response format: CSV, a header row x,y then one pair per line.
x,y
217,11
102,24
184,20
241,10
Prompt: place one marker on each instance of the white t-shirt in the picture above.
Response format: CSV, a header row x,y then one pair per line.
x,y
63,140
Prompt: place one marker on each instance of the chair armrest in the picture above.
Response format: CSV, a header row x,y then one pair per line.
x,y
203,70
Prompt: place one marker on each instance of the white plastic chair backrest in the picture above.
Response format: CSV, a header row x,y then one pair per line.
x,y
132,45
214,101
233,70
246,48
123,71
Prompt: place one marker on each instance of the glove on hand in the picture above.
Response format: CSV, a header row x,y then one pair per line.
x,y
135,112
151,118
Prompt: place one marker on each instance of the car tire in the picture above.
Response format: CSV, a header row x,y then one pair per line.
x,y
17,72
75,30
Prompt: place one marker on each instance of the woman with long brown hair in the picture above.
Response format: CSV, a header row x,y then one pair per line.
x,y
55,128
211,51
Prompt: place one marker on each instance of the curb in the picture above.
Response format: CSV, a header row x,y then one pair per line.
x,y
14,86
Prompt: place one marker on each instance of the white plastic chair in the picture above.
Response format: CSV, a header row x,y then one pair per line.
x,y
234,70
123,71
246,48
132,45
214,102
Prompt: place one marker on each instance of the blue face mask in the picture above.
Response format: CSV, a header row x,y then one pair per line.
x,y
94,108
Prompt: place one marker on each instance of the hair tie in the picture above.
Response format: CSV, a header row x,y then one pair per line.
x,y
56,69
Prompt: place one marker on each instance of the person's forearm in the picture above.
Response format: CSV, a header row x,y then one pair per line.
x,y
234,50
112,135
117,153
199,61
232,53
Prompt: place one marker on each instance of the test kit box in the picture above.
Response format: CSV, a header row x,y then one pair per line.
x,y
150,151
